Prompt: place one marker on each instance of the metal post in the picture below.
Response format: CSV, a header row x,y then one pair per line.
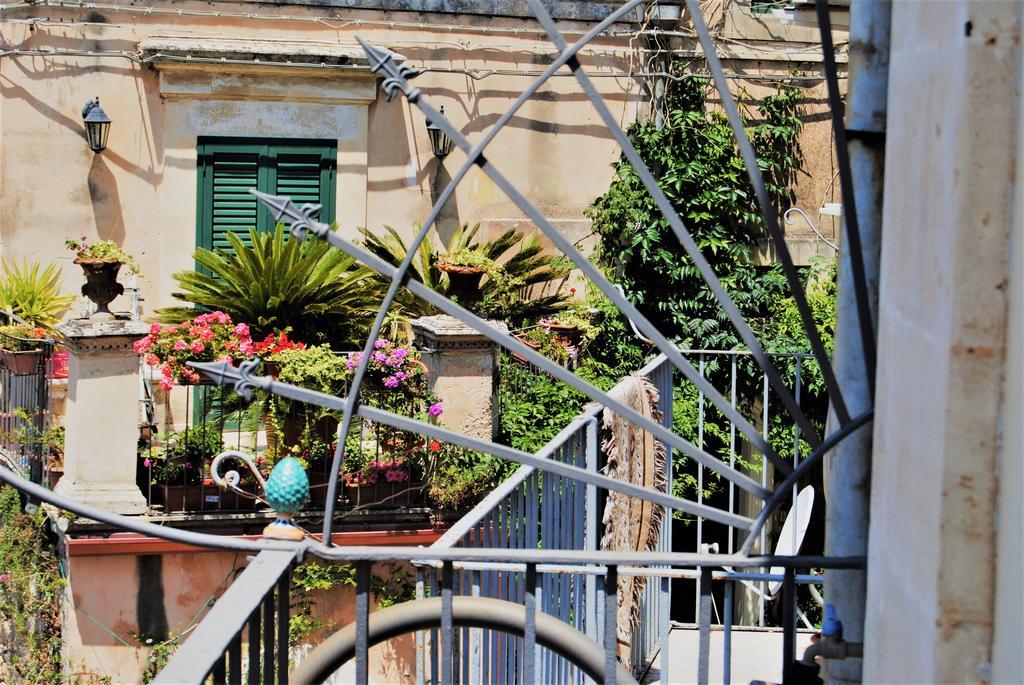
x,y
362,622
421,657
611,636
592,518
704,625
727,634
283,618
531,658
788,618
848,468
447,634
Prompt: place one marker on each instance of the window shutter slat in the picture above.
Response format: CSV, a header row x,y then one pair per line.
x,y
234,207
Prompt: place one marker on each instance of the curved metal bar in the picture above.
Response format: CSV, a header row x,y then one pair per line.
x,y
782,491
593,273
230,480
856,249
444,304
362,553
467,612
403,74
688,244
139,525
502,451
768,212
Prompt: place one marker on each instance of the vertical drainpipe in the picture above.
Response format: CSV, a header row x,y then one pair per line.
x,y
848,469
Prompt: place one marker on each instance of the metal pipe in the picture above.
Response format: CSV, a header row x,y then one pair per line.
x,y
828,648
848,467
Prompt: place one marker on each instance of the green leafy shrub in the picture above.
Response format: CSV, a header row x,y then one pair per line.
x,y
30,590
515,264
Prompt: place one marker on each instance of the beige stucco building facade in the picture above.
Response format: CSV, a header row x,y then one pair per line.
x,y
292,70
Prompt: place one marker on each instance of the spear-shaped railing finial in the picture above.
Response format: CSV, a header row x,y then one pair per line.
x,y
303,219
396,77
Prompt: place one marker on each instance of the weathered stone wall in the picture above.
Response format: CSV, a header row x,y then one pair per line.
x,y
950,184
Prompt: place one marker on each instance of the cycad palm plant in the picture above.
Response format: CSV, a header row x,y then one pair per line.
x,y
517,266
33,293
317,292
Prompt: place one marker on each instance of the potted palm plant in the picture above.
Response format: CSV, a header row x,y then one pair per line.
x,y
101,263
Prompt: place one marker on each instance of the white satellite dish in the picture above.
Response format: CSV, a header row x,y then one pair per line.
x,y
793,530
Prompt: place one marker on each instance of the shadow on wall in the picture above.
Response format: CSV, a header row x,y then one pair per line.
x,y
106,201
448,219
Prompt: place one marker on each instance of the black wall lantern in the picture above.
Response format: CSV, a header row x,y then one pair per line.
x,y
440,143
97,125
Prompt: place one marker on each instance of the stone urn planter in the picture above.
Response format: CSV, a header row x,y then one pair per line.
x,y
464,281
101,284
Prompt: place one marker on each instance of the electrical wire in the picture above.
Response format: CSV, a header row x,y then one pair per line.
x,y
475,74
340,23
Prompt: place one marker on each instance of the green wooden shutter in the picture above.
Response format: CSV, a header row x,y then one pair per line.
x,y
229,168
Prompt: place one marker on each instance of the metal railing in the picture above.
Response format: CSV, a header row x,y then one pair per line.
x,y
535,511
221,630
181,438
244,637
24,402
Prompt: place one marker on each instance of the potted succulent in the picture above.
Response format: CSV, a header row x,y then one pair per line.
x,y
101,263
21,347
465,269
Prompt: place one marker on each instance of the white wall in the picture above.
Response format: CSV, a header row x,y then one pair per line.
x,y
949,189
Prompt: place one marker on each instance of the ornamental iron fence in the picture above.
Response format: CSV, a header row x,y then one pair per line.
x,y
215,647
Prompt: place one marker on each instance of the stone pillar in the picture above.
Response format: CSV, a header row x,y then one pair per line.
x,y
463,366
102,417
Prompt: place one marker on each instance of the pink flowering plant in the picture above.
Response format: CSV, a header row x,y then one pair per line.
x,y
383,470
206,338
211,337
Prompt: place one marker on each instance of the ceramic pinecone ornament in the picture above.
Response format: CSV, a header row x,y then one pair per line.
x,y
287,490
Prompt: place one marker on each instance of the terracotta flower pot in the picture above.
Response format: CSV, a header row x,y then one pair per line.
x,y
529,343
567,335
21,363
464,281
101,284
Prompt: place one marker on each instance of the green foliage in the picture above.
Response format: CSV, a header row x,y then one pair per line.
x,y
33,293
318,293
535,407
461,477
701,172
317,367
184,457
103,251
30,591
310,580
515,265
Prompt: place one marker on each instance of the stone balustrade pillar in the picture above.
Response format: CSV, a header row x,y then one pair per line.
x,y
462,368
102,416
